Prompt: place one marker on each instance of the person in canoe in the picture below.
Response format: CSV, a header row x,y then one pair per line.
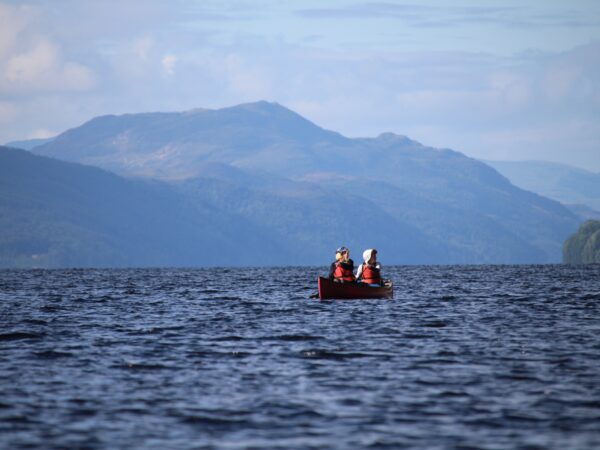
x,y
369,272
342,270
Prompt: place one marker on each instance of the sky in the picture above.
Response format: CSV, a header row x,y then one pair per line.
x,y
498,80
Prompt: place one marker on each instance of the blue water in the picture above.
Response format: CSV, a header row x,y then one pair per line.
x,y
486,357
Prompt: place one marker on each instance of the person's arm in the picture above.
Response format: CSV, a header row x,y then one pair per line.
x,y
359,271
331,270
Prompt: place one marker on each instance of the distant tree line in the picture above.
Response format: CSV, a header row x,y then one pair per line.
x,y
584,246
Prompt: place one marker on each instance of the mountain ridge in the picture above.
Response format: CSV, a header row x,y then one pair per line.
x,y
28,144
308,189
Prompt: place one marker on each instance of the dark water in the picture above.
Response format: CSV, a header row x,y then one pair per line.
x,y
463,357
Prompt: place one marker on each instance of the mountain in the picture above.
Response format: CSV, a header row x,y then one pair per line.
x,y
583,247
28,144
307,190
174,145
567,184
58,214
312,221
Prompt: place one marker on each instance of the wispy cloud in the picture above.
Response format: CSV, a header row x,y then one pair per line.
x,y
33,63
168,63
446,16
90,58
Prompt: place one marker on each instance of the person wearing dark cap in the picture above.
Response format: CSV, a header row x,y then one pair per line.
x,y
342,270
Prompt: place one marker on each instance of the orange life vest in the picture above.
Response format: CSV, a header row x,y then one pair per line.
x,y
370,274
341,273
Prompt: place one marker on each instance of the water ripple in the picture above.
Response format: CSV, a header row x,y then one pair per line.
x,y
466,357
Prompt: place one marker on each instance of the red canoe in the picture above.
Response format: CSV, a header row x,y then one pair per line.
x,y
332,290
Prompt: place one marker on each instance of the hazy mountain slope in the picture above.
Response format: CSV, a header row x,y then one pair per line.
x,y
460,209
56,214
28,144
561,182
584,212
461,235
413,228
314,221
467,194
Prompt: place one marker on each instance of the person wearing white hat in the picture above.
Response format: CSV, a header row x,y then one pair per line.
x,y
369,272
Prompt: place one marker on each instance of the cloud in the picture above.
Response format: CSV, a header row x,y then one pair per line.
x,y
27,67
165,57
41,133
40,68
247,79
547,102
168,63
142,47
445,16
30,62
8,112
13,20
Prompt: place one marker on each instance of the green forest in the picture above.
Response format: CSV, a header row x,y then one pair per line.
x,y
584,246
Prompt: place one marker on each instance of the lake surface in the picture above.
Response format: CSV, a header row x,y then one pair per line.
x,y
486,357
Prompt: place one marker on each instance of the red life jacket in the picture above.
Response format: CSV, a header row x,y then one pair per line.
x,y
340,273
370,274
